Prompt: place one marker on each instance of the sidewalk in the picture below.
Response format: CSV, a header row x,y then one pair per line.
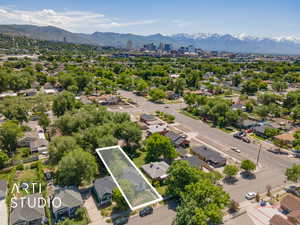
x,y
3,213
93,212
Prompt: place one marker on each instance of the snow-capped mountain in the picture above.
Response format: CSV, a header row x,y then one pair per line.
x,y
218,42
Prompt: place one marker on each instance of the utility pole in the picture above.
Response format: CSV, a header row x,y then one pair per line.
x,y
258,155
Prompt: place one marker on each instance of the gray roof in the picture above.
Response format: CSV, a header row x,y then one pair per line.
x,y
261,129
3,188
70,198
156,169
27,213
104,185
208,153
195,161
147,117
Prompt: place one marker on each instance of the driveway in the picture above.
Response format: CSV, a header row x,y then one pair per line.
x,y
93,212
3,213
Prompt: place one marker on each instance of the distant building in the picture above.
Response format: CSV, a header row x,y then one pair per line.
x,y
168,47
209,155
129,45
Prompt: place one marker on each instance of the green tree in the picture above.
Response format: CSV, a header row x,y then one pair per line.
x,y
60,146
293,173
9,134
295,114
230,171
76,167
44,120
158,146
181,174
129,132
271,132
119,199
248,165
3,159
63,102
157,94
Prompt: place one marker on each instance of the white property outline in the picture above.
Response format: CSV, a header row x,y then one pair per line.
x,y
138,170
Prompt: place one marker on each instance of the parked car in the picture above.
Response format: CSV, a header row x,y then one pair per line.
x,y
235,149
250,195
239,134
245,139
293,190
121,221
146,211
278,151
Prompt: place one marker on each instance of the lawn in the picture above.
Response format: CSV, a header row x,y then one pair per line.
x,y
189,115
139,161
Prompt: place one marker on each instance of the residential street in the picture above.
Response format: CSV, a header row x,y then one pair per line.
x,y
272,167
161,216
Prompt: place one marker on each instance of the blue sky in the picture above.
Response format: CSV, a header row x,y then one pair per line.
x,y
263,18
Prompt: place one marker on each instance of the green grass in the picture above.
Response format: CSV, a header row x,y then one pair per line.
x,y
189,115
258,137
139,161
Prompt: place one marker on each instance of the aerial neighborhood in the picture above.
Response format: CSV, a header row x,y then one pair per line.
x,y
214,136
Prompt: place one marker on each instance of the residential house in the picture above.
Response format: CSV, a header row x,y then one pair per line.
x,y
28,137
103,189
195,162
156,170
38,146
70,201
30,212
111,100
238,106
147,118
286,138
177,139
247,124
260,130
209,155
157,128
3,189
279,220
290,203
294,217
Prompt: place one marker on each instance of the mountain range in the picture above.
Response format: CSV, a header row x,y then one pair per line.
x,y
208,42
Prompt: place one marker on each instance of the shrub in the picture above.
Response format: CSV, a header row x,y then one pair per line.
x,y
20,167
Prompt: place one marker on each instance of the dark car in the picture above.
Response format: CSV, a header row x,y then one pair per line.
x,y
293,190
121,221
146,211
245,139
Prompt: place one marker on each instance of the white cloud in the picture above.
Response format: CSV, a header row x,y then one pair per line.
x,y
76,21
181,23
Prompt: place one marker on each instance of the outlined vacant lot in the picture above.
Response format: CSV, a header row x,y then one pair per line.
x,y
134,186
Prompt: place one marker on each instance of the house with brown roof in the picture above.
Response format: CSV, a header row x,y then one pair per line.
x,y
286,138
290,203
279,220
294,217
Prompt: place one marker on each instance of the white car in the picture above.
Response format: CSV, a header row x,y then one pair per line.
x,y
250,195
235,149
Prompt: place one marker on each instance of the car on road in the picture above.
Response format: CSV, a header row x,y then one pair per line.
x,y
245,139
278,151
293,190
167,106
121,221
146,211
250,195
235,149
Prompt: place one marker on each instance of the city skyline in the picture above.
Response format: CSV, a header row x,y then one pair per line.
x,y
255,18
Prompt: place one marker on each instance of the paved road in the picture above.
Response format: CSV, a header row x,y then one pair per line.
x,y
161,216
3,213
272,166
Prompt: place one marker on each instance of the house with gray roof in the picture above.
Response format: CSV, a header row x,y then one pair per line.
x,y
28,213
103,189
156,170
195,162
209,155
70,201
